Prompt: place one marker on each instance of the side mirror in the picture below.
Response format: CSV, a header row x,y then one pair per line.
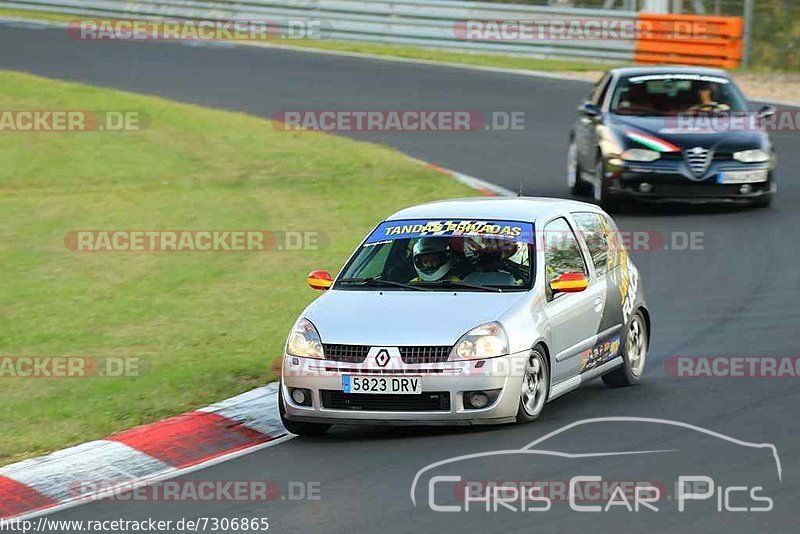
x,y
319,280
767,111
590,110
569,283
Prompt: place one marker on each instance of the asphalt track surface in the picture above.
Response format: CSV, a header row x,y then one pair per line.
x,y
738,296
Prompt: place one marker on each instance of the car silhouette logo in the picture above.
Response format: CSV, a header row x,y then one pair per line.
x,y
382,358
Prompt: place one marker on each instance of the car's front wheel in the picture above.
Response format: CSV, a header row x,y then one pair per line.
x,y
634,354
297,427
535,387
576,184
602,196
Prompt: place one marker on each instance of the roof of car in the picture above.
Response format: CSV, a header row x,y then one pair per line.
x,y
493,208
678,69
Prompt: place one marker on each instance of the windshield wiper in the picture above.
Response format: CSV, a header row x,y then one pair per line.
x,y
379,282
456,283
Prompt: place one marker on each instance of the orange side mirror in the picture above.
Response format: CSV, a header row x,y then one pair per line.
x,y
319,280
569,283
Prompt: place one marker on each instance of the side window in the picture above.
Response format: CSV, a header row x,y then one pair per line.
x,y
595,230
562,253
599,91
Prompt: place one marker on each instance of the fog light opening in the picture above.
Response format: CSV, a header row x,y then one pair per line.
x,y
645,187
745,188
476,400
301,397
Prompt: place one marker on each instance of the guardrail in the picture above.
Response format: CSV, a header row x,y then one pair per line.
x,y
519,29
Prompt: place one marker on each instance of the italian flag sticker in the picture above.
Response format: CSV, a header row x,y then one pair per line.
x,y
652,142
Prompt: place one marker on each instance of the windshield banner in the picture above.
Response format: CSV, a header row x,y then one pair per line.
x,y
411,229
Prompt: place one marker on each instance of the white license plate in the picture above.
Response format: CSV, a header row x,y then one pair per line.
x,y
742,177
396,385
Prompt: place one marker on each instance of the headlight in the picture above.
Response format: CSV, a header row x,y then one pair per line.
x,y
755,155
640,154
486,341
304,341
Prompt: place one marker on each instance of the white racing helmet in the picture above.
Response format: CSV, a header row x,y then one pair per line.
x,y
432,258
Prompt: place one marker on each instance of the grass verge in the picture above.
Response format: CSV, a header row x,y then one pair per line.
x,y
204,325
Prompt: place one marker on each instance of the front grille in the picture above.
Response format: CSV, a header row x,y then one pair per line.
x,y
685,189
345,353
435,401
410,355
419,355
698,159
385,371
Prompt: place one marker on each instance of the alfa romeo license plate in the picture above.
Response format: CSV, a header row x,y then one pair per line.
x,y
397,385
742,177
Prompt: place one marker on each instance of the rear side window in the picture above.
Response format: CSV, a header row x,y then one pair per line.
x,y
562,253
601,239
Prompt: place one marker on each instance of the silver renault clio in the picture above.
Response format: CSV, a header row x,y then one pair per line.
x,y
468,311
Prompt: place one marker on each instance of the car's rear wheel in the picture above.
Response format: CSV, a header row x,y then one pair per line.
x,y
535,387
602,196
634,354
576,184
297,427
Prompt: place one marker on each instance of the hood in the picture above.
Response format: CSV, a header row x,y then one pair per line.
x,y
671,130
404,317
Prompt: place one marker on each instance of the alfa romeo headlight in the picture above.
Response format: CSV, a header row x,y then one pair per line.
x,y
486,341
640,154
755,155
304,341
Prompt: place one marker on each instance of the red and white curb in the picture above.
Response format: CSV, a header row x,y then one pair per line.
x,y
486,188
145,454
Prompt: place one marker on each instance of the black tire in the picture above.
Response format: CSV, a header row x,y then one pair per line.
x,y
762,202
630,372
524,412
577,185
296,427
602,196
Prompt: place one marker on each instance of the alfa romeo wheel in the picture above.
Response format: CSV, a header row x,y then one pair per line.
x,y
602,196
576,184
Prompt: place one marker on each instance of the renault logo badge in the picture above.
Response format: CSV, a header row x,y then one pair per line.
x,y
382,358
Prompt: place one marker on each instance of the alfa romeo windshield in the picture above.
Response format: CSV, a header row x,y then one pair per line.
x,y
443,255
673,94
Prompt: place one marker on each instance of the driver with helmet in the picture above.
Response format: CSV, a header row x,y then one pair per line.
x,y
433,260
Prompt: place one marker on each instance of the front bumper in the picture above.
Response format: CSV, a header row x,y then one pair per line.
x,y
671,180
447,382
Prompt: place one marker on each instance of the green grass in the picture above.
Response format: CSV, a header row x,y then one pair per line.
x,y
206,325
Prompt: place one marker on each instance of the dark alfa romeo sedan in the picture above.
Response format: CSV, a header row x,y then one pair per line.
x,y
664,134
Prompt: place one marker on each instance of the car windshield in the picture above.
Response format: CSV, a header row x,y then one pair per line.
x,y
443,255
673,94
